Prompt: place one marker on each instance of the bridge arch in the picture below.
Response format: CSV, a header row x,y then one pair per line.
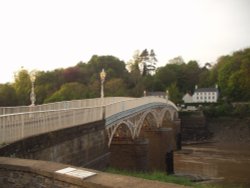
x,y
141,122
132,125
122,129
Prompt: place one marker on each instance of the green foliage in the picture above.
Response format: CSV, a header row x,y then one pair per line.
x,y
242,110
115,87
231,72
174,93
233,75
69,91
8,95
227,109
22,86
47,83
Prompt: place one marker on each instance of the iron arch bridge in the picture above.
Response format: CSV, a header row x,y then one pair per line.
x,y
130,122
118,112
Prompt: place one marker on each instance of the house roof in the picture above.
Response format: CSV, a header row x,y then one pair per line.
x,y
206,90
156,93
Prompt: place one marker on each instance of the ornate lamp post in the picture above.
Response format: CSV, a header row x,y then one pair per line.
x,y
102,76
32,94
167,95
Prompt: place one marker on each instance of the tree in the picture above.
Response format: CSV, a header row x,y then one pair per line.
x,y
233,75
147,62
174,93
47,83
8,95
22,86
177,60
69,91
115,87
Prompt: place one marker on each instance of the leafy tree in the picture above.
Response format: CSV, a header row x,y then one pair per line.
x,y
115,87
47,83
233,75
147,62
191,72
69,91
72,74
8,95
174,93
177,60
22,86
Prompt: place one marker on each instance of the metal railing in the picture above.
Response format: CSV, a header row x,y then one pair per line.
x,y
16,126
63,105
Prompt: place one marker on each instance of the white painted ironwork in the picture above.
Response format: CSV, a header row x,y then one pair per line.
x,y
63,105
46,118
134,121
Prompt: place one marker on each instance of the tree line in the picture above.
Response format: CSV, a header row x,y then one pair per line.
x,y
82,81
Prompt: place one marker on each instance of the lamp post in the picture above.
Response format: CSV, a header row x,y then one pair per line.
x,y
32,94
102,76
167,94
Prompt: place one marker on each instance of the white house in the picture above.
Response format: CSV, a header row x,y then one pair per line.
x,y
205,95
187,98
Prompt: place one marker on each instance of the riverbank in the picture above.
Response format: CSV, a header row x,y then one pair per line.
x,y
223,157
229,130
220,160
180,179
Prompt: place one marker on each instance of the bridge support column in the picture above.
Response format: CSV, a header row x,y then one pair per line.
x,y
161,145
129,154
177,123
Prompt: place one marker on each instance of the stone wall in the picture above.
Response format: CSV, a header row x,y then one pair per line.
x,y
194,127
27,173
15,178
129,154
83,145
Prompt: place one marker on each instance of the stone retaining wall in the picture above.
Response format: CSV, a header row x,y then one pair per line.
x,y
83,145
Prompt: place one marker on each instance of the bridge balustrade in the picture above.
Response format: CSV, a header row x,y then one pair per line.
x,y
63,105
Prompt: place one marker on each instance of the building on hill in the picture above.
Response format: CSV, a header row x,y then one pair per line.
x,y
202,95
205,95
187,98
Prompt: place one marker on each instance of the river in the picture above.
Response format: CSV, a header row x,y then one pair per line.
x,y
225,164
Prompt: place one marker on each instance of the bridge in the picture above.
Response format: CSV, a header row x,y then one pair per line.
x,y
93,132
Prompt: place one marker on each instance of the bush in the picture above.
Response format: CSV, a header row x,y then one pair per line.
x,y
242,111
227,109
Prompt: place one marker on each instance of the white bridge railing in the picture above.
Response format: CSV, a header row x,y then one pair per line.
x,y
15,126
63,105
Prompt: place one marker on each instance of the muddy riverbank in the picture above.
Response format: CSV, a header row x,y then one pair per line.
x,y
222,158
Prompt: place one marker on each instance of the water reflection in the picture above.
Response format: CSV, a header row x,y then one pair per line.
x,y
228,164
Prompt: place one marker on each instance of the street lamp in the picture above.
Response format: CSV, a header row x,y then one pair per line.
x,y
102,76
32,94
167,95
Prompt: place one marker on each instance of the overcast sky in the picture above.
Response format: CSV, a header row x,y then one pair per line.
x,y
49,34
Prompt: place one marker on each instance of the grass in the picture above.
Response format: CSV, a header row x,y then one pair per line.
x,y
161,176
